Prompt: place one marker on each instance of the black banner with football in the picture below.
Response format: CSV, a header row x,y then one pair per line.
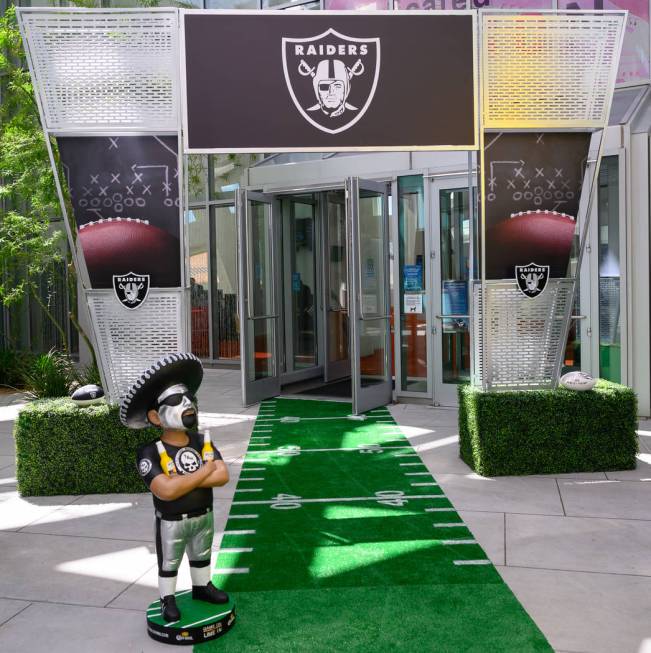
x,y
305,80
532,191
125,198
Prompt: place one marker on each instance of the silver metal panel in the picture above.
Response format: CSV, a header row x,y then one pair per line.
x,y
549,70
105,70
523,335
131,340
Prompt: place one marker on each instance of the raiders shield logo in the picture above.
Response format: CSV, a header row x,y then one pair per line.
x,y
331,78
532,278
131,289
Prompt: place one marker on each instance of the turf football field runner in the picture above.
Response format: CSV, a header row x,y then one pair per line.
x,y
340,539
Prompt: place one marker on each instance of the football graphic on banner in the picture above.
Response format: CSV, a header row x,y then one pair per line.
x,y
531,236
120,245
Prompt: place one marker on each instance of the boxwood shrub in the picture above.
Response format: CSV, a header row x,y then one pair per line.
x,y
548,431
65,449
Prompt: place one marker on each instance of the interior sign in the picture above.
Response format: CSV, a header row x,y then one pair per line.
x,y
329,81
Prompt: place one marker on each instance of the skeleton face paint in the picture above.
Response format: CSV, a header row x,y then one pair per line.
x,y
177,408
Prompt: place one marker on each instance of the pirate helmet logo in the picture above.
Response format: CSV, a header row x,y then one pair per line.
x,y
331,78
131,289
532,279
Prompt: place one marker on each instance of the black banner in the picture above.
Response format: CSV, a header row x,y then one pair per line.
x,y
125,198
301,80
533,187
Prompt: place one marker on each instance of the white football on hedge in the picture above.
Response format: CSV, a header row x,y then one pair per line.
x,y
578,381
88,395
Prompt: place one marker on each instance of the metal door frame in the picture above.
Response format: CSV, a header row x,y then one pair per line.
x,y
257,390
444,394
379,394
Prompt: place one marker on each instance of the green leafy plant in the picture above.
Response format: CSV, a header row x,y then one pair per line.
x,y
12,366
548,431
88,374
50,375
65,449
31,236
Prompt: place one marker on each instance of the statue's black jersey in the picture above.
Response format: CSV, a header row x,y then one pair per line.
x,y
186,459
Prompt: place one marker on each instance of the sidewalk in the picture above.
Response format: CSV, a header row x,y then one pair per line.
x,y
77,572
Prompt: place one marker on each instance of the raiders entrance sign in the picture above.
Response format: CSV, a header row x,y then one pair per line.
x,y
329,81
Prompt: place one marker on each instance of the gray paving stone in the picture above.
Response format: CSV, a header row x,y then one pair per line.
x,y
81,570
599,613
6,461
616,499
7,445
68,629
17,512
116,516
529,494
488,529
9,608
615,546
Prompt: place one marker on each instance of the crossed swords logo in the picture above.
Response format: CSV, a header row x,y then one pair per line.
x,y
331,91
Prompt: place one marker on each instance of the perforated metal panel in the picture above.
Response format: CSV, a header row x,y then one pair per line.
x,y
523,336
129,341
112,70
549,70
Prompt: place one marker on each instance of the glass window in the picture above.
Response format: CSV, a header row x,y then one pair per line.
x,y
413,284
455,268
356,4
609,271
196,169
231,4
198,231
227,173
300,284
226,324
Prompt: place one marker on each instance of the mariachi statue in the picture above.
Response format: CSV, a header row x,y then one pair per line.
x,y
180,469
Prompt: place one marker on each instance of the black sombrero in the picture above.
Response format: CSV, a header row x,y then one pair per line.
x,y
169,370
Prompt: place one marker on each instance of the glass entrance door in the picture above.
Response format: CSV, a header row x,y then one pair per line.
x,y
451,233
259,301
335,276
367,220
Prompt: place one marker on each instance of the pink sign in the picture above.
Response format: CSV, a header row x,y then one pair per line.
x,y
634,62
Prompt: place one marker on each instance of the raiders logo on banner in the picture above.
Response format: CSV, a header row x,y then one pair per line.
x,y
532,279
131,289
332,78
329,81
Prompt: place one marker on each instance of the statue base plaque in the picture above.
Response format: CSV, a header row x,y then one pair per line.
x,y
200,621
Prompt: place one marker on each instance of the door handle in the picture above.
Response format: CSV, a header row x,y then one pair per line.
x,y
453,316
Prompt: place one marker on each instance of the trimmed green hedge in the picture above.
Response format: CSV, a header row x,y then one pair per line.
x,y
548,431
65,449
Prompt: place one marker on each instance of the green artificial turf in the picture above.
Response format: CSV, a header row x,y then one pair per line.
x,y
330,545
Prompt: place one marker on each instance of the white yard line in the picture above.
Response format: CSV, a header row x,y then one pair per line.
x,y
243,516
236,549
358,448
454,542
253,489
410,464
440,509
254,469
243,532
256,478
231,570
196,623
422,484
404,497
417,474
472,562
449,525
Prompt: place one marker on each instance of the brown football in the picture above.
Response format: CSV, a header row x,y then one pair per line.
x,y
121,245
542,237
